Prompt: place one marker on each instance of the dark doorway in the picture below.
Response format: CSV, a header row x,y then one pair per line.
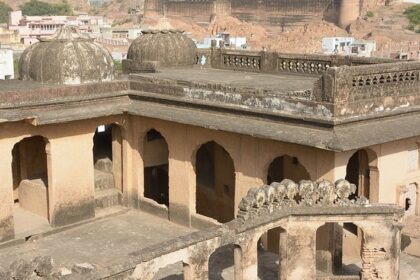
x,y
215,182
358,173
286,167
156,167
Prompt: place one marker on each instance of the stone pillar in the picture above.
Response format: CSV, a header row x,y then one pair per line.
x,y
6,191
381,250
130,164
70,178
181,178
301,250
237,255
216,56
337,247
117,159
246,263
268,62
374,184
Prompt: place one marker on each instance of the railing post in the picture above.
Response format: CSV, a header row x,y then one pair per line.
x,y
238,268
301,250
246,263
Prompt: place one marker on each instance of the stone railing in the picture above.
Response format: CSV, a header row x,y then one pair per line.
x,y
242,61
299,210
372,88
271,62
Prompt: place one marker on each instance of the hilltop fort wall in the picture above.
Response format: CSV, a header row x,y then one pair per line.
x,y
271,12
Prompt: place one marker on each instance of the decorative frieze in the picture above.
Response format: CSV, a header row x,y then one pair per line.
x,y
382,79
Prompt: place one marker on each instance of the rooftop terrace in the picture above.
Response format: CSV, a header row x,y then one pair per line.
x,y
320,101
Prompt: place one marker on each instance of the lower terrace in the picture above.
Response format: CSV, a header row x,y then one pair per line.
x,y
117,233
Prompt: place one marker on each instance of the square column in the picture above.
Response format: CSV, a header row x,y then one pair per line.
x,y
6,190
381,250
301,251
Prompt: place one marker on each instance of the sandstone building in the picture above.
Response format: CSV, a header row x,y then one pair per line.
x,y
188,143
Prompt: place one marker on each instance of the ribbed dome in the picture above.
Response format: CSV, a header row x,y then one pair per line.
x,y
169,47
66,58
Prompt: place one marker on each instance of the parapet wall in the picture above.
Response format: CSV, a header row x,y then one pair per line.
x,y
353,86
273,62
378,88
275,206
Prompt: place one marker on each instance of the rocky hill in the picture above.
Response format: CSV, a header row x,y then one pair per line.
x,y
114,9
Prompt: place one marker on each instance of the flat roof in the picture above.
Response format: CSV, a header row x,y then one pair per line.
x,y
264,81
287,107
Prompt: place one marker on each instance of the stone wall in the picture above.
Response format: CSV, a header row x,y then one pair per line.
x,y
273,206
350,89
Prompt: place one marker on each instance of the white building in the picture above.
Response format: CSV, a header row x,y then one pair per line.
x,y
32,28
230,41
336,45
348,46
6,64
362,48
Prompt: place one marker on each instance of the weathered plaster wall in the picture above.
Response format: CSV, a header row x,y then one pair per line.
x,y
70,170
251,158
392,165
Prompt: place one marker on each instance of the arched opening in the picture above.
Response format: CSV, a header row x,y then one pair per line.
x,y
358,173
410,200
272,250
338,251
215,183
30,185
107,159
286,167
362,172
156,167
283,167
221,263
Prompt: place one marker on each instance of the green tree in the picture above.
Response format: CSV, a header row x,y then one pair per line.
x,y
413,14
39,8
4,12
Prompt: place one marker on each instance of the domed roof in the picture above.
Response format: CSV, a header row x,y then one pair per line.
x,y
66,58
169,47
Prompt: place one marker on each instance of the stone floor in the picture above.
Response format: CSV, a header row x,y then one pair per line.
x,y
101,243
109,239
27,223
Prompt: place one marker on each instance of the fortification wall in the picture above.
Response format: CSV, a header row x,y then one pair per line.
x,y
265,12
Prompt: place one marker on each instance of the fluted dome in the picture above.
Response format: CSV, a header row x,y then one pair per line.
x,y
66,58
168,47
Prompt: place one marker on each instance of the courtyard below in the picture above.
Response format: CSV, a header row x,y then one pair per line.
x,y
110,239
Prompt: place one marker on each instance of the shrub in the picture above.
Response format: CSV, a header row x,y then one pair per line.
x,y
413,14
4,12
39,8
370,14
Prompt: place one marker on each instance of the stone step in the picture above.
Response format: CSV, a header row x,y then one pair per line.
x,y
104,180
107,198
